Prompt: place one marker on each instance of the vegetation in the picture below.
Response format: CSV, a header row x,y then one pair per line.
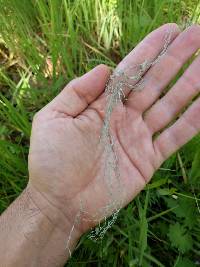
x,y
43,45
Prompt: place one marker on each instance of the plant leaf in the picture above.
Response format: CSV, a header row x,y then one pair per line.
x,y
180,238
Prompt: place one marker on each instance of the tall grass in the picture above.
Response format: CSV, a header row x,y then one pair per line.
x,y
43,45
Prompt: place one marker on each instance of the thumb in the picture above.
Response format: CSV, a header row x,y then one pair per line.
x,y
82,91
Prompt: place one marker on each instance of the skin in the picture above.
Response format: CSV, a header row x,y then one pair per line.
x,y
66,158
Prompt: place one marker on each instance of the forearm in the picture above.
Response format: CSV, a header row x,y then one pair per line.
x,y
29,237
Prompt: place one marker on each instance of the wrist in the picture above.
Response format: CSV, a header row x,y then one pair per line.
x,y
30,225
59,222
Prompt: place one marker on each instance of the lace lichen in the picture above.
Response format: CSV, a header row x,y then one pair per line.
x,y
130,78
115,92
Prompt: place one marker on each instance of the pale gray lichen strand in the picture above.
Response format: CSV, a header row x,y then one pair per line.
x,y
131,78
118,82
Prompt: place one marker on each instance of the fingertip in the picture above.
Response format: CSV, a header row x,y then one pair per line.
x,y
173,27
104,69
98,72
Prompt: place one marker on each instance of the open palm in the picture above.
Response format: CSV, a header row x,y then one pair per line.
x,y
66,159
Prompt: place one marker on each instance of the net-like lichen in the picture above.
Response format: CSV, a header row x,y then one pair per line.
x,y
130,79
120,83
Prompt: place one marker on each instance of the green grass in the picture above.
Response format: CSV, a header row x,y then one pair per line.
x,y
43,45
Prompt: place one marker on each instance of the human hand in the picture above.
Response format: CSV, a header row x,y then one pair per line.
x,y
66,159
